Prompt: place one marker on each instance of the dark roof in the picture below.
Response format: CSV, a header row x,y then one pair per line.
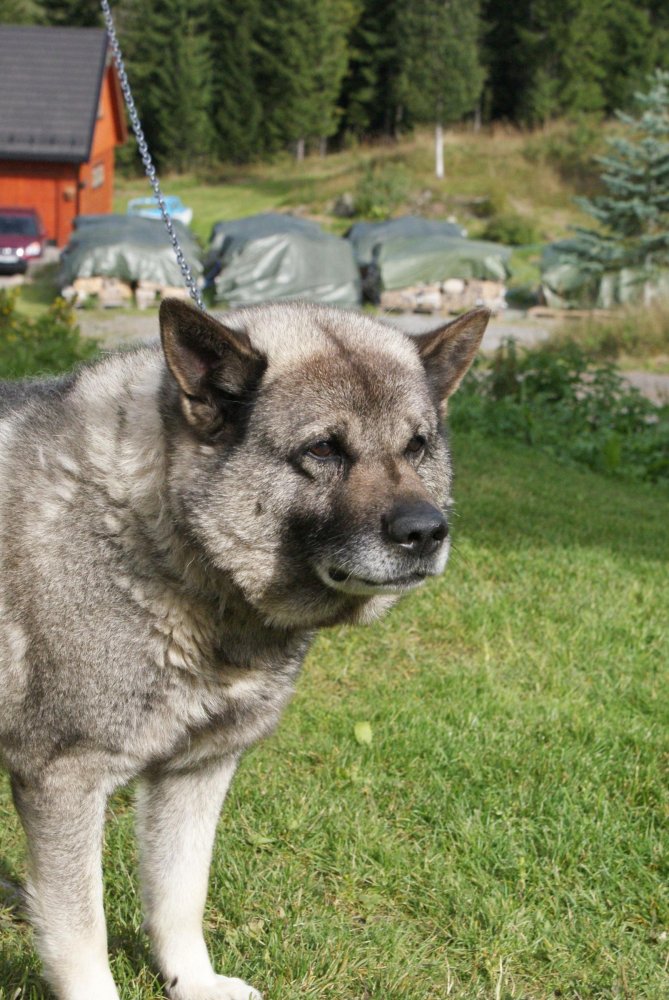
x,y
50,80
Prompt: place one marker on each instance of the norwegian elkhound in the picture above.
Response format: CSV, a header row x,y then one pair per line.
x,y
174,526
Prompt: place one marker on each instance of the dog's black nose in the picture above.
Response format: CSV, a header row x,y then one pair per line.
x,y
418,527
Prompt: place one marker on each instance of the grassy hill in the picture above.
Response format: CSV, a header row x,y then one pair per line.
x,y
488,174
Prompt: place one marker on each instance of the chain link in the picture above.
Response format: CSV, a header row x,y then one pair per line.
x,y
146,156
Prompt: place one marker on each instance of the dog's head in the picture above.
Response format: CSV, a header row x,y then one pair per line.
x,y
308,452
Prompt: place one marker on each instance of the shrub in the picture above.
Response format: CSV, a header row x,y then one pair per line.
x,y
511,229
49,344
381,189
558,401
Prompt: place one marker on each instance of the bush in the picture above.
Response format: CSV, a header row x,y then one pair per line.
x,y
47,345
511,229
558,401
381,189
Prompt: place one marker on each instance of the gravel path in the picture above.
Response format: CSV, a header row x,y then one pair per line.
x,y
118,329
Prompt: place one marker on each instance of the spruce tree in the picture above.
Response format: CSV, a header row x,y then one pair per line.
x,y
442,75
22,12
73,13
369,95
633,215
301,59
236,103
167,51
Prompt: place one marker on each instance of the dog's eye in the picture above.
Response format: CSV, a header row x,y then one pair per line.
x,y
416,444
323,450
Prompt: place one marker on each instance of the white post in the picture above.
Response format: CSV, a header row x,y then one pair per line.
x,y
439,151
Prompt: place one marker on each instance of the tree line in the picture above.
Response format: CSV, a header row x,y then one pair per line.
x,y
237,80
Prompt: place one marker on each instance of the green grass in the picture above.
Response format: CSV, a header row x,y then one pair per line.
x,y
486,173
505,833
632,336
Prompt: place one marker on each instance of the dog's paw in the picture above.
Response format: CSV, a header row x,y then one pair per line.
x,y
219,988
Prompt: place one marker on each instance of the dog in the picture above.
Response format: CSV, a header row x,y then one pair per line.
x,y
175,525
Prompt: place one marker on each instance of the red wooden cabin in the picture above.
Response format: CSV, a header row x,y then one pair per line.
x,y
61,116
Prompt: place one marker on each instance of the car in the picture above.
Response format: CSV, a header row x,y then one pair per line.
x,y
149,209
22,239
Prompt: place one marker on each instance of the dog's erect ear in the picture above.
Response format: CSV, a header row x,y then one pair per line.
x,y
214,366
448,351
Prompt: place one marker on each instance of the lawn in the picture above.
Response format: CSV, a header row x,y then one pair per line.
x,y
504,834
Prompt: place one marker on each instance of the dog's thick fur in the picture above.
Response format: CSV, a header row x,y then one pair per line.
x,y
173,528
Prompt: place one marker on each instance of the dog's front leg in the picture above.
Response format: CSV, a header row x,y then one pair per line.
x,y
176,817
63,819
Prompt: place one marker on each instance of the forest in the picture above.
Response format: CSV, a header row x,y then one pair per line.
x,y
240,80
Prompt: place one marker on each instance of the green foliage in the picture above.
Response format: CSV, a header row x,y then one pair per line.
x,y
441,74
511,229
639,333
370,87
233,26
570,151
548,58
81,13
46,345
169,60
382,188
633,215
556,400
22,12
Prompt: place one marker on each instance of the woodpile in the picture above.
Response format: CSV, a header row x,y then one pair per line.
x,y
111,293
451,296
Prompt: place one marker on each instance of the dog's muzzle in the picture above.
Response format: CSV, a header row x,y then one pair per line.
x,y
414,545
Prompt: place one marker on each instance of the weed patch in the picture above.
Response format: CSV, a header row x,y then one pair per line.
x,y
556,400
48,344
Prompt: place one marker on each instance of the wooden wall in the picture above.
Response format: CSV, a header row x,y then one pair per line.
x,y
60,191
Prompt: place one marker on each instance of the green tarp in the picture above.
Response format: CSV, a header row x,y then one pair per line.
x,y
231,234
401,263
274,257
367,236
567,285
129,248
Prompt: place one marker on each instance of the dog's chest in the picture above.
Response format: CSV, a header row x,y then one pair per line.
x,y
218,680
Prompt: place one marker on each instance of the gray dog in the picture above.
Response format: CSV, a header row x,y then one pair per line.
x,y
173,528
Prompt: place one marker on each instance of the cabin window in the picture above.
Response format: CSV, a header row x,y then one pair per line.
x,y
97,175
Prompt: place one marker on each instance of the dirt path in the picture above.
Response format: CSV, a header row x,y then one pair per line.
x,y
120,329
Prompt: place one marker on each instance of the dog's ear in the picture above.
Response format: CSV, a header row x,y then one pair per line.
x,y
448,351
214,366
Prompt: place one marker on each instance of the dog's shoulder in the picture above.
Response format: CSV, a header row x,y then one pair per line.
x,y
15,395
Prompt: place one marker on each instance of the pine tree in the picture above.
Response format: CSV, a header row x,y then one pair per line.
x,y
301,59
551,57
167,51
236,103
74,13
369,95
442,75
633,216
22,12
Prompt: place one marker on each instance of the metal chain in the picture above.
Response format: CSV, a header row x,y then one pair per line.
x,y
146,156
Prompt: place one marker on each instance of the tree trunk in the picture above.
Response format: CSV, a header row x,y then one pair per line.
x,y
439,151
323,146
299,150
